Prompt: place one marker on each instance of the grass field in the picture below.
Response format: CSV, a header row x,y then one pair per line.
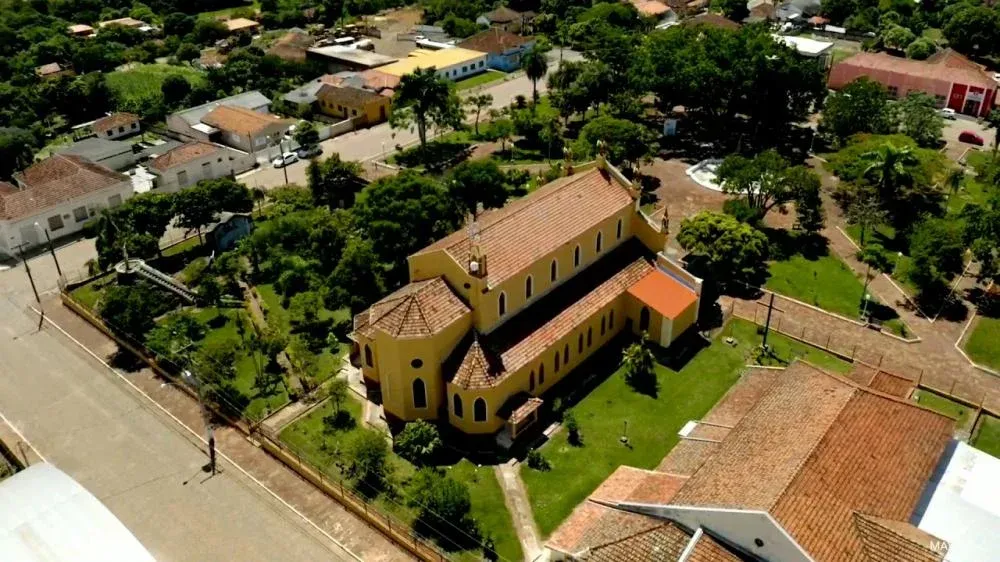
x,y
987,439
323,447
225,13
130,87
945,406
685,392
827,282
983,345
479,79
90,294
784,349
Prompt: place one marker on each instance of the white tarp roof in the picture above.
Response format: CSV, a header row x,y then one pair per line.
x,y
47,516
804,45
964,506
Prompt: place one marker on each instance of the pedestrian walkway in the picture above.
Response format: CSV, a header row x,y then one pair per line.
x,y
326,514
516,499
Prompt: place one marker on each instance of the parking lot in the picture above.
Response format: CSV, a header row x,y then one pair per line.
x,y
954,148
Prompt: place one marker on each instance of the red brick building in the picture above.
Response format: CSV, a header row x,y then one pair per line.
x,y
954,80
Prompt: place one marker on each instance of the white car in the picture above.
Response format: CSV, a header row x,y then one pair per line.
x,y
948,113
309,152
285,159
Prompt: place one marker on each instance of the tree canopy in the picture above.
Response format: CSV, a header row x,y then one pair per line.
x,y
860,107
422,99
723,249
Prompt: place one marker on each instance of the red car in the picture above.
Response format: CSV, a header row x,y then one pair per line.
x,y
971,138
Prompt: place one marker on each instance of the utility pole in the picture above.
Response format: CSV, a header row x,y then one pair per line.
x,y
51,249
27,269
767,323
864,293
284,165
209,430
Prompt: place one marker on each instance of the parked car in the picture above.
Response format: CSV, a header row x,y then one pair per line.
x,y
971,138
285,159
309,151
948,113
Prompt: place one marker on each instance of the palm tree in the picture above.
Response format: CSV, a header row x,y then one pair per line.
x,y
890,168
420,95
477,104
535,66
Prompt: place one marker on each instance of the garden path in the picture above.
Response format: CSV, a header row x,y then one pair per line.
x,y
516,498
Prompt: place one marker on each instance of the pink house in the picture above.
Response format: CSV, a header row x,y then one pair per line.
x,y
955,81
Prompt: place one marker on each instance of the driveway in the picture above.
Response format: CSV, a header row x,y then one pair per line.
x,y
954,149
377,141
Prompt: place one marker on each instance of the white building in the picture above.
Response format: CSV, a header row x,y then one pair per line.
x,y
58,194
454,63
116,125
195,161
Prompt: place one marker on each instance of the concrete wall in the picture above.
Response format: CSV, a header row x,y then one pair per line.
x,y
15,232
226,162
463,70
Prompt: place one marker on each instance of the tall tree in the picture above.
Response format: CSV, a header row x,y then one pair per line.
x,y
333,182
973,29
477,182
625,142
936,249
723,249
476,104
306,134
535,64
860,107
735,10
982,235
920,119
423,98
16,151
765,181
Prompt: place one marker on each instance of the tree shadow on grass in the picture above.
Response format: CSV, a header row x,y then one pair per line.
x,y
987,303
681,352
127,361
785,244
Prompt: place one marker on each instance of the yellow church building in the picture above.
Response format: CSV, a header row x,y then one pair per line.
x,y
496,314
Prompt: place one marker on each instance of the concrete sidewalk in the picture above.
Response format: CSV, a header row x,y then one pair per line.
x,y
303,501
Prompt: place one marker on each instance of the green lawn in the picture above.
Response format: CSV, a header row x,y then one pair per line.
x,y
90,294
322,447
827,282
131,87
784,349
181,247
479,79
225,13
685,394
983,345
272,302
987,439
945,406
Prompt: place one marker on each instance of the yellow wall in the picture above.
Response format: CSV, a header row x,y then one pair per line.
x,y
650,235
520,380
685,320
369,110
486,315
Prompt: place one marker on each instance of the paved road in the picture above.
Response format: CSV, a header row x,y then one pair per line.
x,y
140,464
375,141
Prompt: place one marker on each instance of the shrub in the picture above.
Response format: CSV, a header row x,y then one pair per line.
x,y
573,429
418,442
537,461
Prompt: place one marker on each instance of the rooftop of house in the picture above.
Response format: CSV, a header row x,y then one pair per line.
x,y
348,95
57,179
840,467
651,8
526,230
495,41
114,121
96,149
352,55
503,14
178,156
80,28
423,58
240,24
250,100
485,360
947,65
47,69
127,22
711,19
241,120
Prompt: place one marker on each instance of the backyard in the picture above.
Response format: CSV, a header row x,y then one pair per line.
x,y
686,392
321,443
143,81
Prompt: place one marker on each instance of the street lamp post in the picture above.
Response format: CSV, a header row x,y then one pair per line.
x,y
51,249
209,430
27,268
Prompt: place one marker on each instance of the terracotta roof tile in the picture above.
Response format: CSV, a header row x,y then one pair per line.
x,y
417,310
58,178
663,543
353,97
494,40
240,24
774,438
48,69
486,361
650,8
883,540
687,456
708,549
945,68
241,120
183,154
742,397
592,524
628,484
875,459
663,294
525,231
892,384
503,14
114,121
